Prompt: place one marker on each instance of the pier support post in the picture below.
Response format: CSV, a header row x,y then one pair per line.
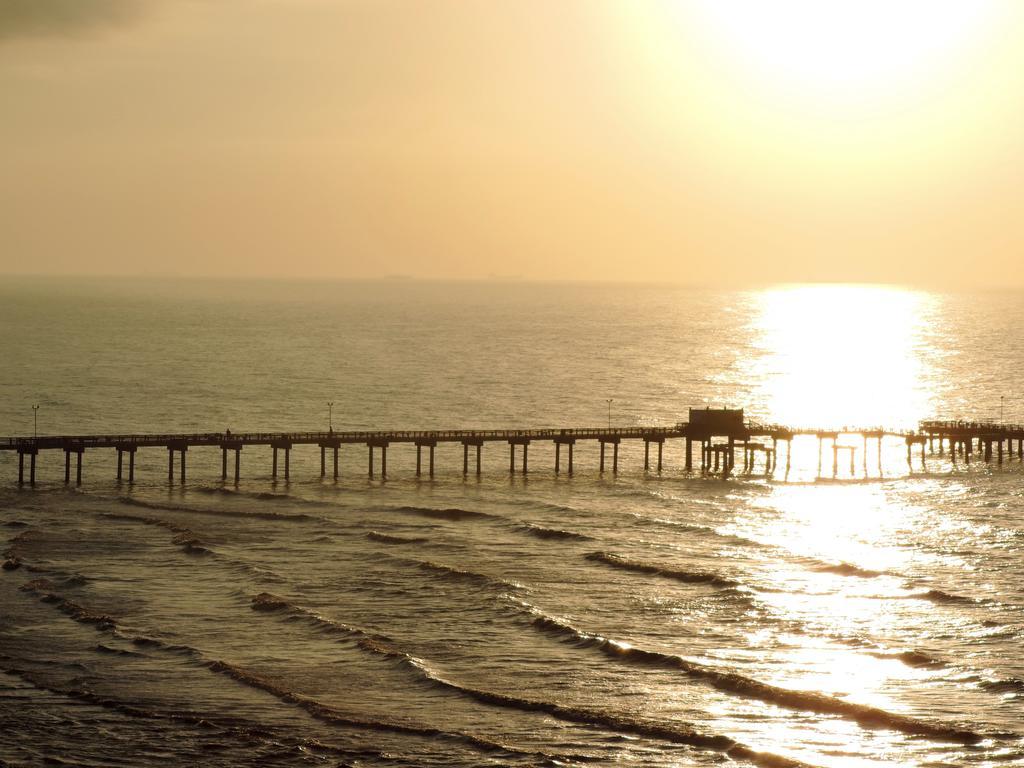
x,y
615,457
370,450
689,455
479,448
287,455
170,465
238,463
570,457
431,461
647,455
183,451
661,446
558,457
131,465
942,451
526,448
67,466
323,462
999,450
120,464
835,459
223,463
511,458
419,459
273,466
383,462
988,450
465,459
602,457
21,468
335,449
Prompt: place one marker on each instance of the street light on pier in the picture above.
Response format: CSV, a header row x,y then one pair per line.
x,y
609,413
330,416
1001,399
35,421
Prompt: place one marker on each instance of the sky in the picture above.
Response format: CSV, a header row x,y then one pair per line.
x,y
679,141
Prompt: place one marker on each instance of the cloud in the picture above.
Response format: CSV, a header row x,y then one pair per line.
x,y
32,18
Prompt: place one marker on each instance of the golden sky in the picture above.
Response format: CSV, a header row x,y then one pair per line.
x,y
693,141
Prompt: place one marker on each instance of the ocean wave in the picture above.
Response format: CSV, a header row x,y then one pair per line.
x,y
1009,685
737,684
450,513
448,571
661,522
673,732
317,709
46,591
328,714
910,658
282,516
246,732
936,596
183,537
688,577
101,648
551,533
264,496
270,603
390,538
847,569
662,730
191,544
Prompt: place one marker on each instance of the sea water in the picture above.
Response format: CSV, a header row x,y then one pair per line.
x,y
641,618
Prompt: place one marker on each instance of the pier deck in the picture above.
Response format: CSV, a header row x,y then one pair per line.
x,y
720,433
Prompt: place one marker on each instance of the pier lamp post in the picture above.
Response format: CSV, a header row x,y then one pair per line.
x,y
35,421
609,413
330,416
1001,399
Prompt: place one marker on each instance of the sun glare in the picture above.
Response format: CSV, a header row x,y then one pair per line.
x,y
842,354
846,45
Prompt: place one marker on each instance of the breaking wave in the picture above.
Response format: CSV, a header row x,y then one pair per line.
x,y
688,577
390,538
551,533
450,513
734,683
847,569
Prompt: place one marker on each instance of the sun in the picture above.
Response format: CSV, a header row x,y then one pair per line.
x,y
845,46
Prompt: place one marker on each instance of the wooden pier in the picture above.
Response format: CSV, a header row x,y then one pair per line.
x,y
720,433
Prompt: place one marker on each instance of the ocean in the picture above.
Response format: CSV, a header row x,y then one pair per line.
x,y
638,618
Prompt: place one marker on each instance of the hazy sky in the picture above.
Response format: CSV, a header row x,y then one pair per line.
x,y
688,141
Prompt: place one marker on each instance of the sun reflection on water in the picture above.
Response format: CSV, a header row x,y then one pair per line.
x,y
841,355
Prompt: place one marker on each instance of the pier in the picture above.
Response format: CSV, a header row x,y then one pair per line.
x,y
721,435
